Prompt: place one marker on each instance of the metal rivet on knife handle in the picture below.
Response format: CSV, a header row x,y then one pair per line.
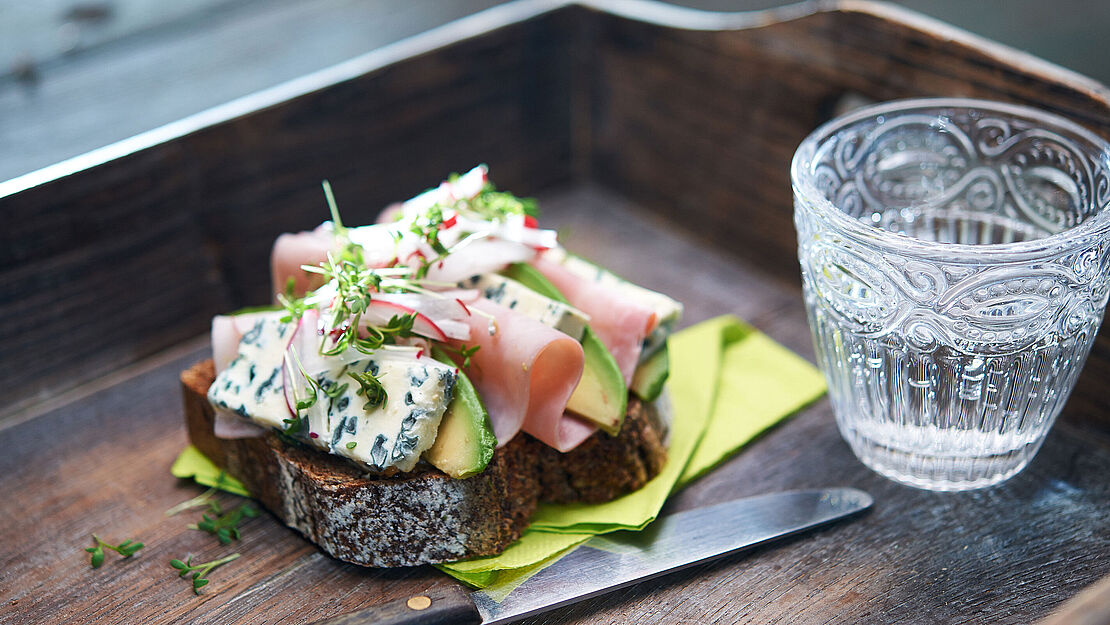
x,y
442,604
419,602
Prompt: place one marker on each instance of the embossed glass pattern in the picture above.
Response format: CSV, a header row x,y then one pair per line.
x,y
954,258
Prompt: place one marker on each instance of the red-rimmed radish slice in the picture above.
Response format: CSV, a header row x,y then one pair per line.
x,y
444,310
464,187
455,329
302,352
380,311
289,369
471,183
465,296
479,256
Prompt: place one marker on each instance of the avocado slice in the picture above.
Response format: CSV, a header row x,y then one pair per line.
x,y
601,396
650,376
531,277
465,442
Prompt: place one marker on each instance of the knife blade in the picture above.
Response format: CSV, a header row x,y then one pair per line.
x,y
609,562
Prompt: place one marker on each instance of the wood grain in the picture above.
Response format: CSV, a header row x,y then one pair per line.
x,y
668,148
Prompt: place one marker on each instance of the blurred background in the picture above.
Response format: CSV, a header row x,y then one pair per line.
x,y
76,75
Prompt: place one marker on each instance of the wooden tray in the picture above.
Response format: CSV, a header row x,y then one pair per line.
x,y
658,140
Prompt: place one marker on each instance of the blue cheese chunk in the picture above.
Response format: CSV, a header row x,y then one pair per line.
x,y
251,386
393,434
512,294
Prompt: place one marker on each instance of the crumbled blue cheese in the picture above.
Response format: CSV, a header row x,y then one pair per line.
x,y
393,434
251,386
512,294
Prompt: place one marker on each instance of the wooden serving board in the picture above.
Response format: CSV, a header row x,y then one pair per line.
x,y
657,140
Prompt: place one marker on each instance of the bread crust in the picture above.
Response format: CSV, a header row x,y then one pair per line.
x,y
422,516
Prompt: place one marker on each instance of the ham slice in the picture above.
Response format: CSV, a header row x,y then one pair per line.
x,y
291,250
525,374
622,325
229,425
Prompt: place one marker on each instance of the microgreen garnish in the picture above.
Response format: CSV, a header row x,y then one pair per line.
x,y
331,390
126,549
371,389
333,207
463,351
203,499
352,286
398,326
493,205
294,306
355,285
199,571
225,525
300,403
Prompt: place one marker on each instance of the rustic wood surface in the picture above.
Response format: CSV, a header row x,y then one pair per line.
x,y
100,464
663,152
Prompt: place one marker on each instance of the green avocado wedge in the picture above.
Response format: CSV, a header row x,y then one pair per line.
x,y
465,442
601,396
651,375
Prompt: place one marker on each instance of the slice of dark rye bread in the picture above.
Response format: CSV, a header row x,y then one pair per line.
x,y
423,516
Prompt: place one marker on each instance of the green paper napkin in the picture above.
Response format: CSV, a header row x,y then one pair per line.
x,y
728,383
191,463
760,382
695,362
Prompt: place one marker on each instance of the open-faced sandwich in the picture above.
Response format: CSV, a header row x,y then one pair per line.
x,y
428,379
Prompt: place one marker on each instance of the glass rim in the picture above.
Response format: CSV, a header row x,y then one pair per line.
x,y
802,182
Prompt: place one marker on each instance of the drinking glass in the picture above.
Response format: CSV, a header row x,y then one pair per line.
x,y
954,260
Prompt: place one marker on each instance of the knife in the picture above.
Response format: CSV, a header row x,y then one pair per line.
x,y
606,563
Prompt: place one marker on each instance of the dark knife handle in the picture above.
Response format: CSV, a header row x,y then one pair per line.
x,y
442,605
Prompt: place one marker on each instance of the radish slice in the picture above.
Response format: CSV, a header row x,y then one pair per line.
x,y
479,256
471,183
288,367
515,229
379,312
302,351
448,313
465,187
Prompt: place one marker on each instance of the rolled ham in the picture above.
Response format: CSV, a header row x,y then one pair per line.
x,y
229,425
525,373
291,250
622,325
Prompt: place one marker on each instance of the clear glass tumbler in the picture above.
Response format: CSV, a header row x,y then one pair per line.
x,y
954,260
